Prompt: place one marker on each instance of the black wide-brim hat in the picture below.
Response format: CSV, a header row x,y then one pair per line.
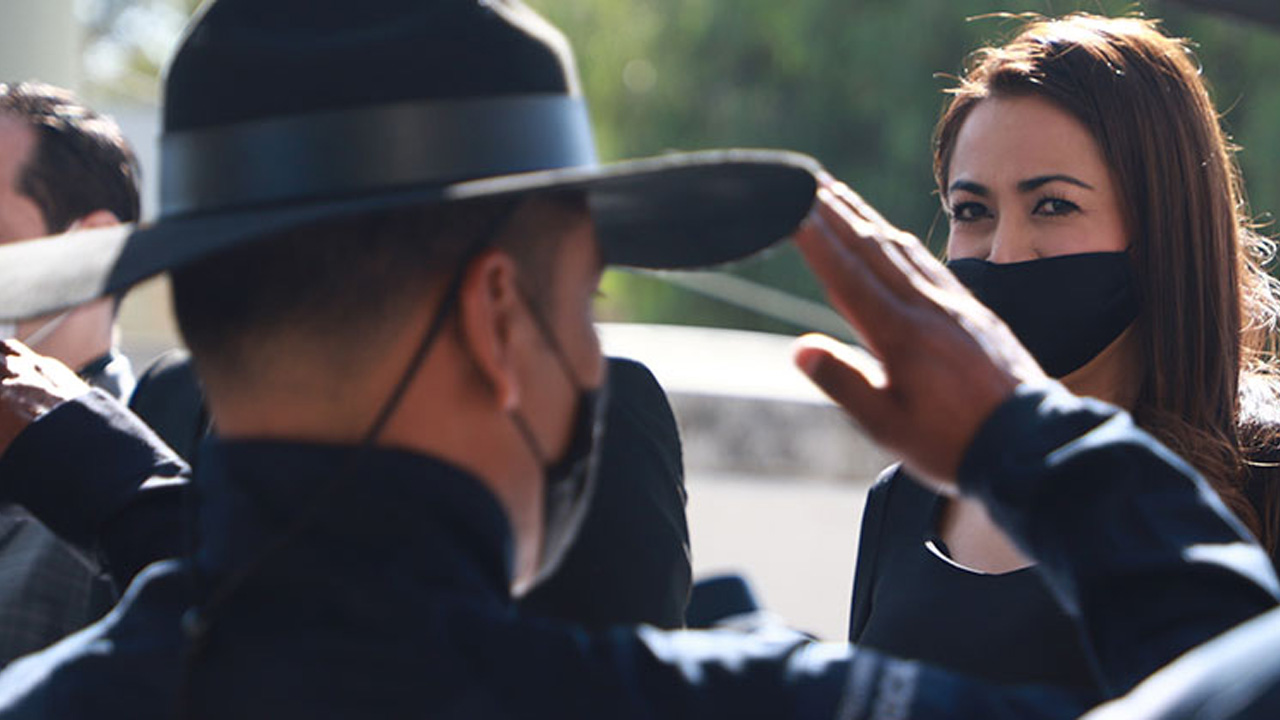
x,y
284,113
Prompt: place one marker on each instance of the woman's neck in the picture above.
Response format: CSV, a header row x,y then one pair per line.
x,y
1113,375
973,540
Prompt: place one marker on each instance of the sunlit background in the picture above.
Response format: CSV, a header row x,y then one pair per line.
x,y
776,477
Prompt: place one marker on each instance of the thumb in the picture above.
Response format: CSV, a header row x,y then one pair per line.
x,y
850,376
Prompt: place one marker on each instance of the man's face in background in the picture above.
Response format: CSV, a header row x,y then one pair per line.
x,y
20,217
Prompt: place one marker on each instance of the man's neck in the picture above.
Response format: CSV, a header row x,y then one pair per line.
x,y
434,418
76,337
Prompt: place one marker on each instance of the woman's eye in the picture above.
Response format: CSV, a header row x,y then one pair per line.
x,y
1054,207
968,211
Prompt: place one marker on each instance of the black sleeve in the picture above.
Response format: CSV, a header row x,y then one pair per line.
x,y
99,478
864,574
1235,676
170,401
1129,538
777,673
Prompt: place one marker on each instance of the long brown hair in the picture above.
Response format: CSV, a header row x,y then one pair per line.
x,y
1208,314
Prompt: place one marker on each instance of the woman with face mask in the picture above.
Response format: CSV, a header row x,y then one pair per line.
x,y
1095,206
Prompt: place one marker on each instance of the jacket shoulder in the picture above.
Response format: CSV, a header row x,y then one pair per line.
x,y
126,665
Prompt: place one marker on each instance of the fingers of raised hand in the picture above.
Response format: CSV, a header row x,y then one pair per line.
x,y
11,352
16,360
30,386
862,278
30,383
850,376
855,202
919,256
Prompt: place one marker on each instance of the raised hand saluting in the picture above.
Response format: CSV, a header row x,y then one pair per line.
x,y
936,361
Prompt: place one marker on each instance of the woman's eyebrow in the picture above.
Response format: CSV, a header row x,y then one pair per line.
x,y
1025,186
970,187
1039,181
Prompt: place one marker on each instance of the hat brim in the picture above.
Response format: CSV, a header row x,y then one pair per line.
x,y
673,211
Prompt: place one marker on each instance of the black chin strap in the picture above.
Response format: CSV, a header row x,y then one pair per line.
x,y
530,440
548,337
198,619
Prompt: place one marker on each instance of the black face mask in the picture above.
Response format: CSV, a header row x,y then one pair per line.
x,y
1065,309
569,482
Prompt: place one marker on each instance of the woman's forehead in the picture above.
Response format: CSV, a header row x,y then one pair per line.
x,y
1006,140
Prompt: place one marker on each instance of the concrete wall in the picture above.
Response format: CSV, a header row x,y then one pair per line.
x,y
776,474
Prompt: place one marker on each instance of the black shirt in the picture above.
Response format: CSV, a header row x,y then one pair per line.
x,y
911,600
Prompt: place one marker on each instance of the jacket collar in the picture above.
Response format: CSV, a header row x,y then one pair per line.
x,y
416,519
111,373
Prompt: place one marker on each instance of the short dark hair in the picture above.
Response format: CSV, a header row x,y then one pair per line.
x,y
357,274
81,163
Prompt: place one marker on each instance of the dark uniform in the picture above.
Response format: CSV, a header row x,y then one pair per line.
x,y
630,563
394,601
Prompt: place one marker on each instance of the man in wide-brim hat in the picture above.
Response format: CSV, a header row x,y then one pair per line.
x,y
384,227
384,224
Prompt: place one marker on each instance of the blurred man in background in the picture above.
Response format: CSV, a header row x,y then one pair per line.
x,y
62,167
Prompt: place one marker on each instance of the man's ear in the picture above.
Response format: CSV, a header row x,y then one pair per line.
x,y
95,219
490,309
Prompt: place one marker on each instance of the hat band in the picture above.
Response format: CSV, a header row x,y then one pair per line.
x,y
334,154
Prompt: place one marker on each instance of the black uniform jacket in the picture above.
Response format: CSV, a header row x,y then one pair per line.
x,y
385,595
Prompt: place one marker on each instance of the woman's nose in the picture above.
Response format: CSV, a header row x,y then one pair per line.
x,y
1011,243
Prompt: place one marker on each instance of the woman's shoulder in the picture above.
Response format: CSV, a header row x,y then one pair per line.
x,y
897,493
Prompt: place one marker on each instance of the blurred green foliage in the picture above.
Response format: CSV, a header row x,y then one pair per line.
x,y
856,83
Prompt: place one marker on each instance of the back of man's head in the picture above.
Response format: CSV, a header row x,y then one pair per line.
x,y
332,295
81,162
